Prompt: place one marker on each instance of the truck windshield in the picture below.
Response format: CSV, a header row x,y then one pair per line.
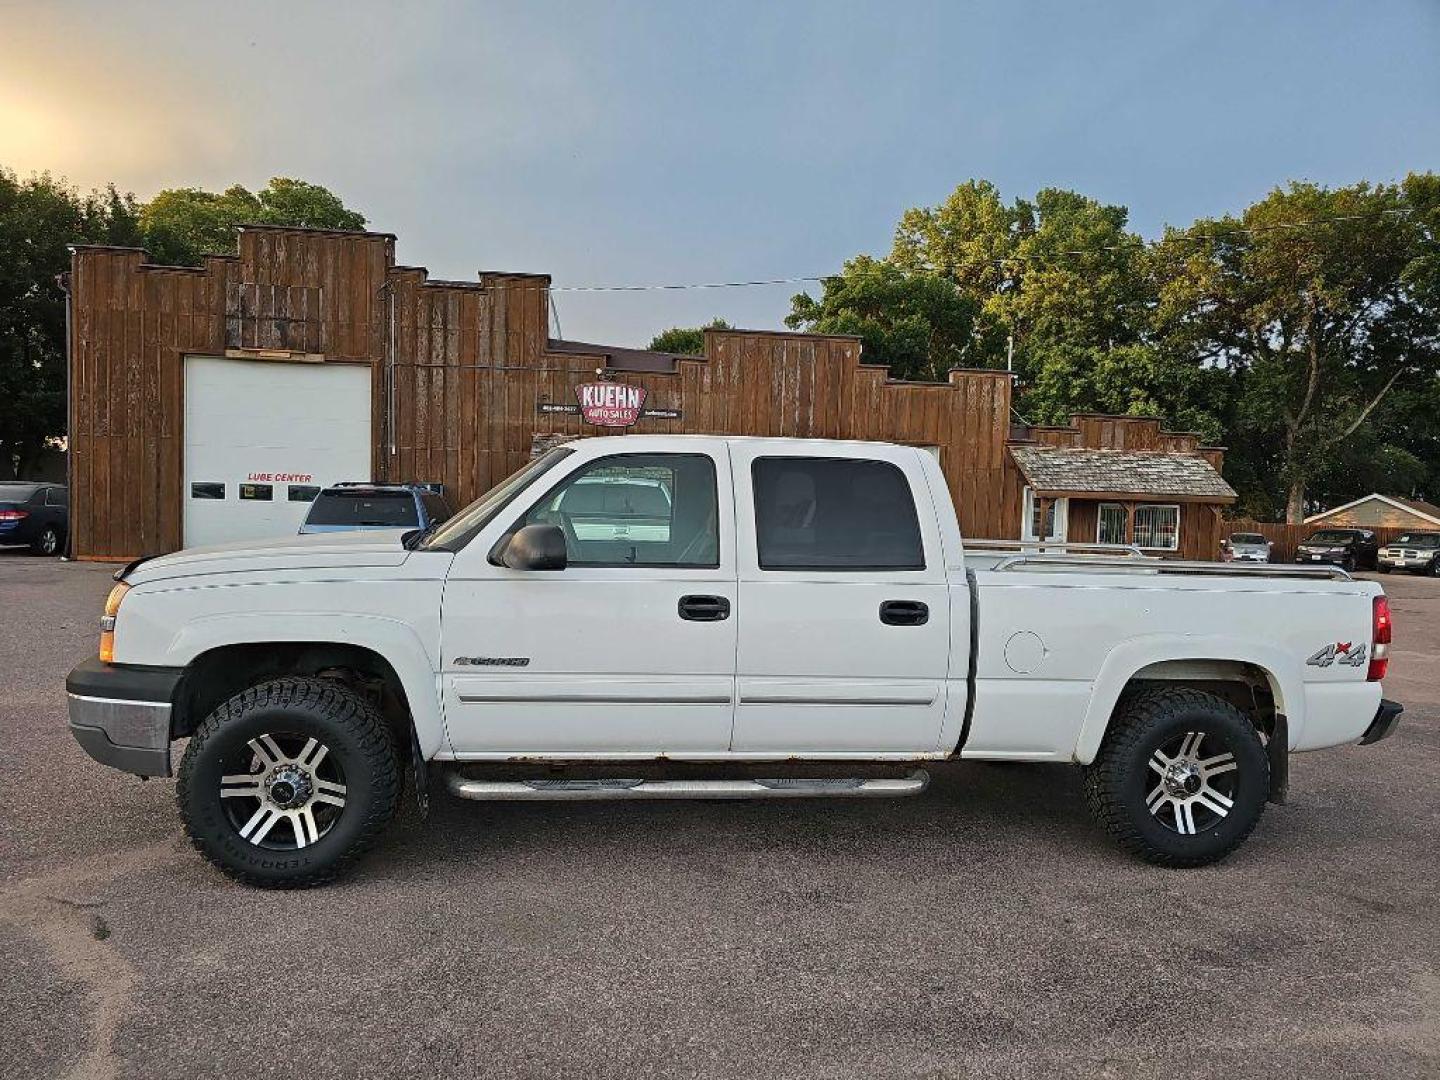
x,y
363,508
456,532
1420,540
1331,536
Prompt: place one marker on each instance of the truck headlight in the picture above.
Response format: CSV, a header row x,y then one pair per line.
x,y
107,622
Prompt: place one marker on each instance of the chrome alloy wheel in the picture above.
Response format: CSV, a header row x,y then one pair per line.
x,y
289,778
1191,793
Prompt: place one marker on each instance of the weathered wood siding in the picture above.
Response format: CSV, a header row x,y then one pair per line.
x,y
470,364
467,365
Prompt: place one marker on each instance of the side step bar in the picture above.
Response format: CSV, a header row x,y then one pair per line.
x,y
596,790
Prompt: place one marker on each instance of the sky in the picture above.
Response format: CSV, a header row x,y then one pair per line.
x,y
629,143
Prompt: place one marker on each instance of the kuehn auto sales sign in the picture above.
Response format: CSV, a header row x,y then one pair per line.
x,y
609,404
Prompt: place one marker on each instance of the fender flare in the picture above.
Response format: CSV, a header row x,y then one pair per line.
x,y
393,640
1129,657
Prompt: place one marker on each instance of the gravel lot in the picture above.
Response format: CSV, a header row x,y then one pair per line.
x,y
986,928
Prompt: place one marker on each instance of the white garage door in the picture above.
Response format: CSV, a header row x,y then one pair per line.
x,y
261,438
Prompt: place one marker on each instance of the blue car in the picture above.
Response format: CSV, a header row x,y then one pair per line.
x,y
348,507
36,515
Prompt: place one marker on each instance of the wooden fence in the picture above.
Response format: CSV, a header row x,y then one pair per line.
x,y
1285,537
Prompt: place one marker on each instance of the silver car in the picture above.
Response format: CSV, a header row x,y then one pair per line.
x,y
1245,547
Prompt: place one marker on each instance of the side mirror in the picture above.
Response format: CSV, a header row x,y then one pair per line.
x,y
535,547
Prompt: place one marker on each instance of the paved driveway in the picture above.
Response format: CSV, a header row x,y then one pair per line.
x,y
986,928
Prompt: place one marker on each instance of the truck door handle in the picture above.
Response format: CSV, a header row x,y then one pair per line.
x,y
704,608
904,613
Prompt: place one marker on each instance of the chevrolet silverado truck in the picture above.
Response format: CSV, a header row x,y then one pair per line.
x,y
666,617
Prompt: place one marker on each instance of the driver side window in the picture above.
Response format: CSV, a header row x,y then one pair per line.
x,y
637,510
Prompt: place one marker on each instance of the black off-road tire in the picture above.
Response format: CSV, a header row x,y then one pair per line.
x,y
355,733
1117,783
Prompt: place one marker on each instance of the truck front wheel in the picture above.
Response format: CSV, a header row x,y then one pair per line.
x,y
285,784
1181,778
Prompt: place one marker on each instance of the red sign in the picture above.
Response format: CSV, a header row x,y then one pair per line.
x,y
280,477
610,404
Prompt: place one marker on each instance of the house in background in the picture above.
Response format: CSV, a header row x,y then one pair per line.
x,y
1381,511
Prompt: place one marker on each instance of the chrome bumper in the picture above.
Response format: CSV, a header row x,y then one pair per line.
x,y
120,714
133,736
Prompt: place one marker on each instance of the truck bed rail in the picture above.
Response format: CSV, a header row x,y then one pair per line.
x,y
1148,565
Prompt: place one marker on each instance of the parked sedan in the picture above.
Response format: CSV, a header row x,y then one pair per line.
x,y
1347,548
1245,547
1418,552
37,515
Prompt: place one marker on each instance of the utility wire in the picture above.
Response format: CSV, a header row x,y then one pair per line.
x,y
1187,235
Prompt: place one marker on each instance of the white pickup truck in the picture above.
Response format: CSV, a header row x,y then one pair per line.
x,y
694,617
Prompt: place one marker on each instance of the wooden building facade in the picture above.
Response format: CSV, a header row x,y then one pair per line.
x,y
466,382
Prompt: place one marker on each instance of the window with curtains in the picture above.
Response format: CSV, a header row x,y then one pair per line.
x,y
1156,526
1110,528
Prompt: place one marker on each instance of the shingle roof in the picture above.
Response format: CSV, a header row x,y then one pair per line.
x,y
1076,470
1420,506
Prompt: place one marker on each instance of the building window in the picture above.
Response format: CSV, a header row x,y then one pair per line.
x,y
302,492
257,492
207,491
1158,527
1110,527
1056,514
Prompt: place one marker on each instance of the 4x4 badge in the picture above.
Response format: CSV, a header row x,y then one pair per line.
x,y
1342,652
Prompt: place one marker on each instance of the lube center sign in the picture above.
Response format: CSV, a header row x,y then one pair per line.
x,y
609,404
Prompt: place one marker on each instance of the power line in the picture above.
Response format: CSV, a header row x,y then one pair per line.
x,y
1223,233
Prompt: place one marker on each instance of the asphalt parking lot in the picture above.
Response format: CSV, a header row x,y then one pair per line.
x,y
986,928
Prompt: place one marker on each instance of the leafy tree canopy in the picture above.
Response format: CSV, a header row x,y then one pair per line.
x,y
182,224
685,340
1318,302
915,321
39,219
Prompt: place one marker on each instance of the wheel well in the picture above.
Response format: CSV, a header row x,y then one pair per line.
x,y
213,677
1249,687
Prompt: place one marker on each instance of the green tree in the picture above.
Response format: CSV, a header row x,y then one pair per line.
x,y
182,224
1318,303
915,321
685,340
39,219
1063,290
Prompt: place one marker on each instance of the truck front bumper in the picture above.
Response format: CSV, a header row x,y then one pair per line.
x,y
120,714
1383,726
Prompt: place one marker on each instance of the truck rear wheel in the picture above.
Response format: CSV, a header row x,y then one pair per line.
x,y
285,784
1181,778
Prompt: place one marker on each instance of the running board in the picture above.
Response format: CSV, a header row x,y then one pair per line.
x,y
596,790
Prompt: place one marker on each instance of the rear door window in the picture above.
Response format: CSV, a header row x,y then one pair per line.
x,y
834,514
393,509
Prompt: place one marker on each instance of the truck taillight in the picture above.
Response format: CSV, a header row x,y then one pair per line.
x,y
1380,642
107,622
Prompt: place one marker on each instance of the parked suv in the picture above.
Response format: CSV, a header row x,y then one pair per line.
x,y
1348,548
357,506
35,514
1418,552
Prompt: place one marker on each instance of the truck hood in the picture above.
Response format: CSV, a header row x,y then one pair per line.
x,y
315,552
